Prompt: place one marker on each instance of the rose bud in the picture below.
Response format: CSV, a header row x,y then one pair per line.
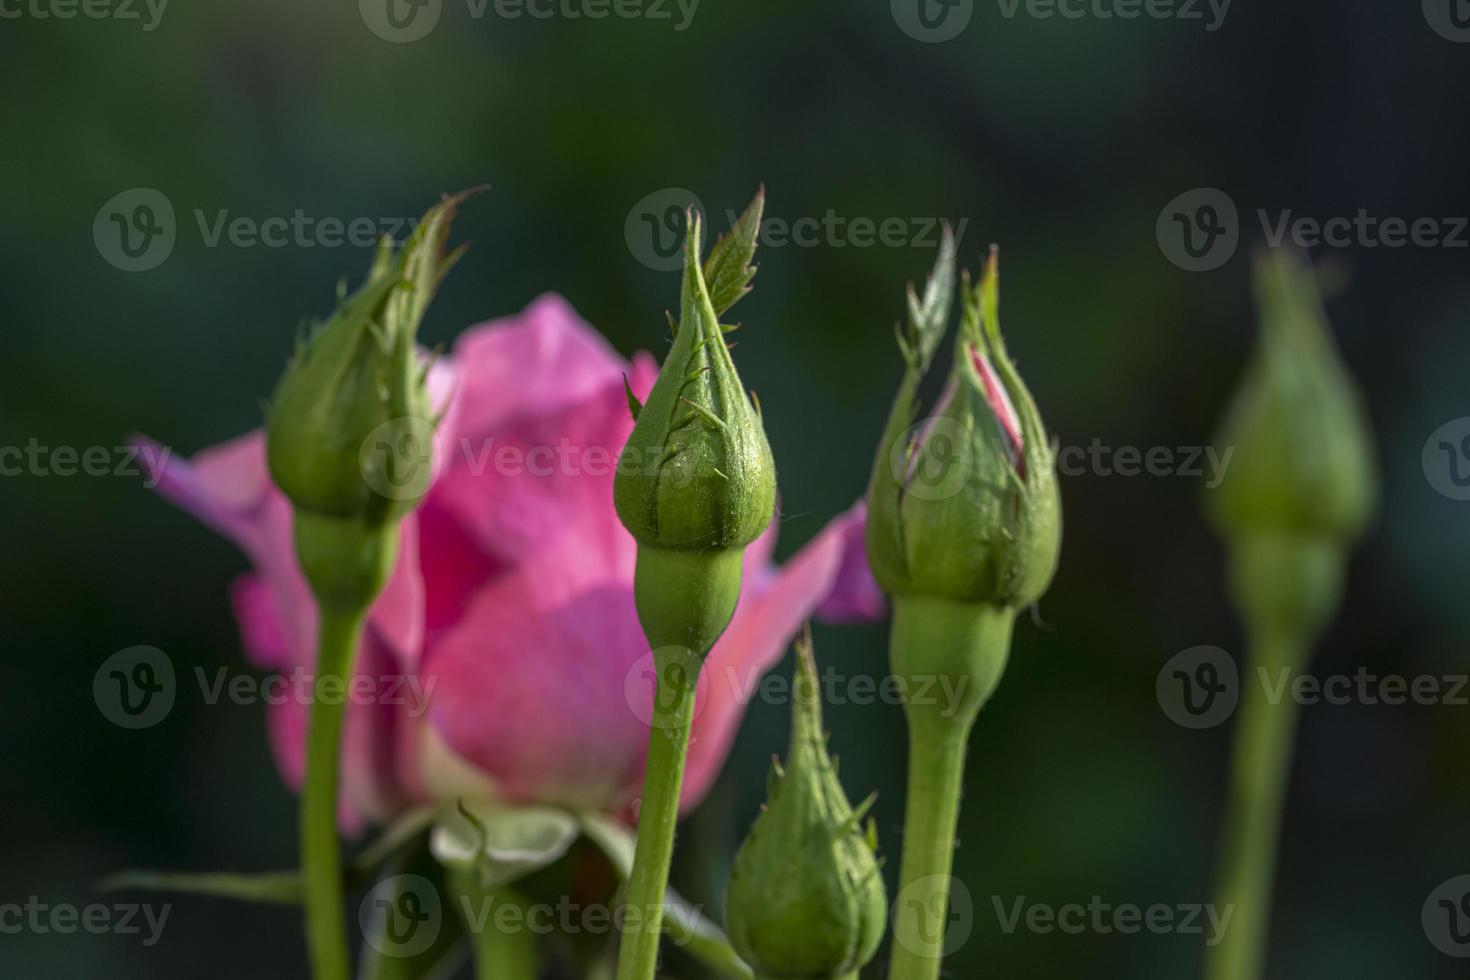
x,y
695,485
349,442
349,431
806,900
964,505
1301,483
964,526
1299,487
696,482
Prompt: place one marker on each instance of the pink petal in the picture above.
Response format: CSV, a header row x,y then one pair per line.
x,y
529,685
539,476
225,486
855,595
999,399
263,632
456,570
540,361
398,613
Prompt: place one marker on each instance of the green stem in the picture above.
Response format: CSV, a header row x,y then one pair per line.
x,y
668,746
500,954
505,956
1287,588
936,780
1260,767
963,647
321,860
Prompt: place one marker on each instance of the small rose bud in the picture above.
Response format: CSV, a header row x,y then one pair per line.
x,y
696,482
349,431
697,471
1302,456
1301,482
355,374
806,899
964,505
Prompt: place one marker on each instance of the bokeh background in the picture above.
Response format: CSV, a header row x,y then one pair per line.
x,y
1062,139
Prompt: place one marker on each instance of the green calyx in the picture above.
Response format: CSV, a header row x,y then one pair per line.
x,y
1286,585
964,505
697,471
806,900
686,598
962,646
349,431
1302,458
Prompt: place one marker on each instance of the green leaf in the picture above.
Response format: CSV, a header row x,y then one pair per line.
x,y
918,339
424,263
728,269
684,925
635,407
503,843
275,887
268,887
929,315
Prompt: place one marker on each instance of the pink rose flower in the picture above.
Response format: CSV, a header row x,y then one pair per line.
x,y
507,631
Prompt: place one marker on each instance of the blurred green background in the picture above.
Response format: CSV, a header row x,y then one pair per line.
x,y
1062,139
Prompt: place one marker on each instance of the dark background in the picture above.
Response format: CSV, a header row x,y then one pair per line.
x,y
1060,139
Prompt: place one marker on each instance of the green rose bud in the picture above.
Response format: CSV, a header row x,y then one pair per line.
x,y
1301,483
696,482
964,505
806,899
349,431
1303,458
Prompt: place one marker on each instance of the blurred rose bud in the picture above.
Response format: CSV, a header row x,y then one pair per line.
x,y
357,381
349,435
1301,483
1302,451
